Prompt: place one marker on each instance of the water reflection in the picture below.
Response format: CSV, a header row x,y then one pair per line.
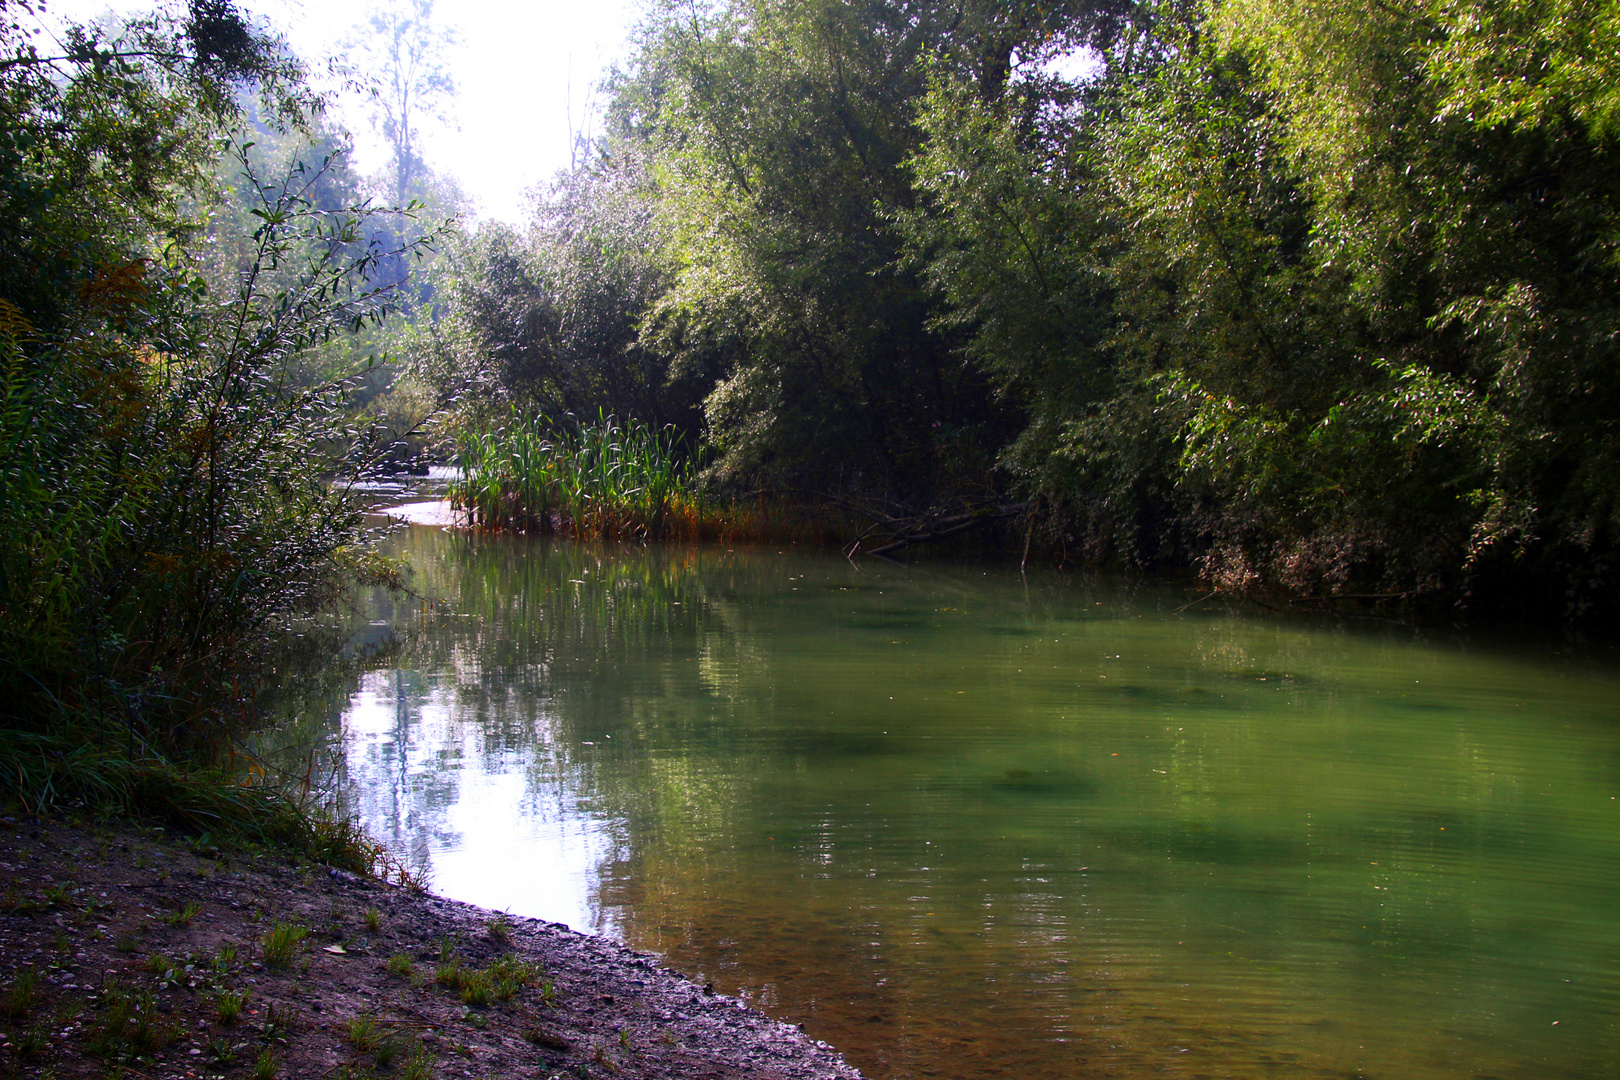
x,y
963,825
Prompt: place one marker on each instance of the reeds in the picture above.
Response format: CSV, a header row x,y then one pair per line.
x,y
608,480
621,480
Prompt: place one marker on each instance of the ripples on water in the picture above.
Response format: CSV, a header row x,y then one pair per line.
x,y
965,824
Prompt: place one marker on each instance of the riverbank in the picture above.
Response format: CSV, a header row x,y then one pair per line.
x,y
128,947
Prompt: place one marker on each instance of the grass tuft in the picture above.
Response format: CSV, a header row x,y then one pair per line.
x,y
21,996
228,1004
183,915
363,1033
280,942
266,1067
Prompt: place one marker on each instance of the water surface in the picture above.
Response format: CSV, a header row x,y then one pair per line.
x,y
967,824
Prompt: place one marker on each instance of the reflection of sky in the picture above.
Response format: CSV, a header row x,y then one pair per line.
x,y
501,826
1006,820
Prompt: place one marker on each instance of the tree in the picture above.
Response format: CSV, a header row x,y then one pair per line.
x,y
162,502
405,53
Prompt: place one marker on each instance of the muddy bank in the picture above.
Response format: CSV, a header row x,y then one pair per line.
x,y
124,947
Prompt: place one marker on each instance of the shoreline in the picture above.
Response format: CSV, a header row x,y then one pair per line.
x,y
122,946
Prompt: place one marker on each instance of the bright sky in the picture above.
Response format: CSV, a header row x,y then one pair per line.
x,y
526,70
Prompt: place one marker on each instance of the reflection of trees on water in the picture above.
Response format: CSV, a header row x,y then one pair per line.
x,y
885,792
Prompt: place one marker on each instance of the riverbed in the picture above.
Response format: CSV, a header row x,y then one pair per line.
x,y
965,822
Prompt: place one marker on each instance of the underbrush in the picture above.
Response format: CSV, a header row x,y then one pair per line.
x,y
164,517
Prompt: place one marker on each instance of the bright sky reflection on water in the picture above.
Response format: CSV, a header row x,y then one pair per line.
x,y
967,824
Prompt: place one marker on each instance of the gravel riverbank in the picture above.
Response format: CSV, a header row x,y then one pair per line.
x,y
122,947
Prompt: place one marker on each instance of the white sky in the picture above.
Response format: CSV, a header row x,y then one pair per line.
x,y
524,67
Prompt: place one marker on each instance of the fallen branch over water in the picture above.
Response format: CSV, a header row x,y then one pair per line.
x,y
926,530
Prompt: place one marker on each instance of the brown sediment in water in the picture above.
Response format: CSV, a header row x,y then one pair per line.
x,y
126,947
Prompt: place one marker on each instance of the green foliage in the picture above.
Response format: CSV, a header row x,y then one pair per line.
x,y
1311,297
162,504
1007,235
551,320
599,480
777,135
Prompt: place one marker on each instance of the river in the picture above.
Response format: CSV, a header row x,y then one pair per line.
x,y
966,823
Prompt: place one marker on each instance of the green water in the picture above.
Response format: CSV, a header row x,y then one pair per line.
x,y
967,824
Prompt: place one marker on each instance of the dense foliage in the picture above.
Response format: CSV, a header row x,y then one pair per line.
x,y
1306,296
162,505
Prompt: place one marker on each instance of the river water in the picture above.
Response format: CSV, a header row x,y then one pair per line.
x,y
964,823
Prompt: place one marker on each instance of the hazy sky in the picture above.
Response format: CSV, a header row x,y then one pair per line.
x,y
524,68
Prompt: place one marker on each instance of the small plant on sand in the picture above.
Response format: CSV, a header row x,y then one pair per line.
x,y
225,959
182,916
400,964
228,1004
373,919
21,996
266,1067
477,989
418,1063
224,1051
450,973
280,942
386,1051
33,1042
509,974
500,928
130,1026
277,1026
363,1034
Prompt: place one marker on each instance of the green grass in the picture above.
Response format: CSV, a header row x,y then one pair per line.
x,y
363,1034
497,982
21,996
228,1004
280,942
183,915
419,1063
266,1067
